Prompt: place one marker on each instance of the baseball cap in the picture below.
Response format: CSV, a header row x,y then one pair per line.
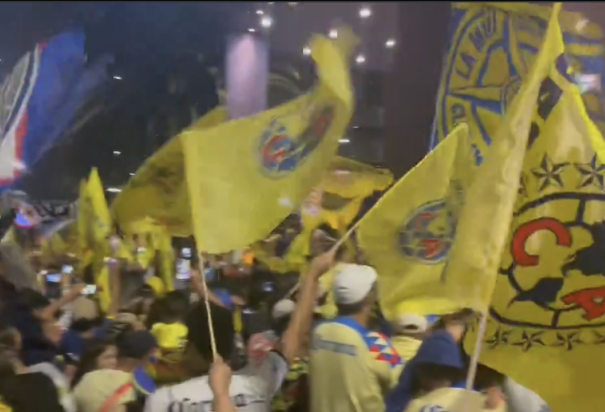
x,y
411,323
85,308
136,344
98,386
283,308
352,283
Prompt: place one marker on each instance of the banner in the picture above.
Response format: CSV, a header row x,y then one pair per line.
x,y
490,50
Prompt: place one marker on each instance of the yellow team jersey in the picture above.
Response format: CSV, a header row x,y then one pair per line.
x,y
351,367
406,346
451,400
170,336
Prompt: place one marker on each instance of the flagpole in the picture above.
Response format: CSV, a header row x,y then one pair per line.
x,y
207,304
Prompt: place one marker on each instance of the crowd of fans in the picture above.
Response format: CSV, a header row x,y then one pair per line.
x,y
155,352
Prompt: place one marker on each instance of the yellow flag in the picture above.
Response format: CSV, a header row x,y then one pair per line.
x,y
247,175
158,190
406,236
493,45
84,235
485,218
450,400
344,187
546,324
101,219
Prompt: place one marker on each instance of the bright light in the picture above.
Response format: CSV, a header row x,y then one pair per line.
x,y
266,21
117,78
306,50
390,43
333,34
113,190
360,59
355,127
131,174
344,140
251,30
260,12
117,153
365,12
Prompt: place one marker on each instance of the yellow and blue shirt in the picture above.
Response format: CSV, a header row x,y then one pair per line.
x,y
351,367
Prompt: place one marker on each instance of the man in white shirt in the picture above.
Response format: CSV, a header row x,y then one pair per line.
x,y
250,391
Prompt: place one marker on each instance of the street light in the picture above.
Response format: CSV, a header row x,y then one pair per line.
x,y
365,12
266,21
306,50
360,59
390,43
333,34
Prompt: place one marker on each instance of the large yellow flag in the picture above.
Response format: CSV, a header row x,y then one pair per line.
x,y
344,187
158,189
485,218
546,324
491,46
407,235
247,175
101,219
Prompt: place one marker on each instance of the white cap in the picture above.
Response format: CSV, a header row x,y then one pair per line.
x,y
411,323
283,308
352,283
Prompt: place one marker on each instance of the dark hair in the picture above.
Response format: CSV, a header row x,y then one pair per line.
x,y
280,325
350,309
8,336
88,361
8,356
175,306
198,335
463,317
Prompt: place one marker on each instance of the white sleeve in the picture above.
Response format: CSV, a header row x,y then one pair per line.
x,y
521,399
273,370
157,402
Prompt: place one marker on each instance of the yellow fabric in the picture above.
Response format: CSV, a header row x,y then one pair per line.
x,y
166,260
344,372
546,316
158,190
84,234
281,154
158,286
344,187
486,216
101,219
406,236
103,287
450,400
491,45
170,336
328,310
406,346
238,325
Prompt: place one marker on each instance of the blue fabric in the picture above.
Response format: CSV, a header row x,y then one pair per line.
x,y
61,84
72,343
143,381
440,349
225,297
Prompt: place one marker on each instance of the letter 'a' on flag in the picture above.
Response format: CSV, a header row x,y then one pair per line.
x,y
407,235
546,319
158,191
247,175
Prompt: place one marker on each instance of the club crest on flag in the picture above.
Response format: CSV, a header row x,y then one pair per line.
x,y
555,267
427,235
490,52
281,153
